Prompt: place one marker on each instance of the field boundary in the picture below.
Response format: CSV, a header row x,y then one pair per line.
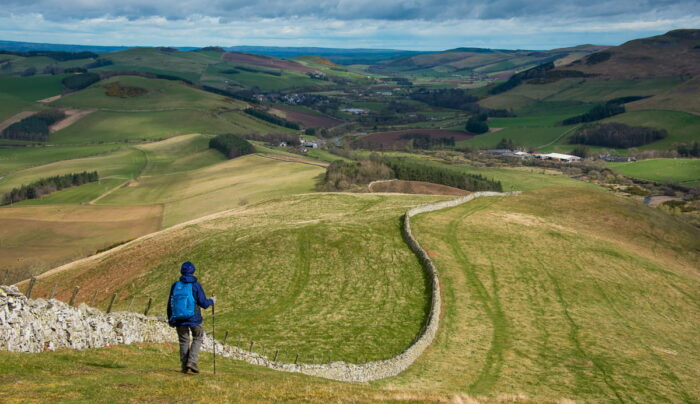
x,y
340,371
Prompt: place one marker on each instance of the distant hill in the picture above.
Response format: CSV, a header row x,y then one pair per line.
x,y
32,46
336,55
484,61
676,53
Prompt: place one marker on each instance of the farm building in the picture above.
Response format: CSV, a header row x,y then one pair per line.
x,y
558,157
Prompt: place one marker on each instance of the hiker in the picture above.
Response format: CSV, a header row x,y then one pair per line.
x,y
186,297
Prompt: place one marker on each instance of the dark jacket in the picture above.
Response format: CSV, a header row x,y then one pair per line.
x,y
200,299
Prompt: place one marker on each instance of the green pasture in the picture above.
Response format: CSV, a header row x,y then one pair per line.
x,y
672,171
18,94
121,164
562,294
195,193
271,265
18,158
162,95
526,136
108,126
681,126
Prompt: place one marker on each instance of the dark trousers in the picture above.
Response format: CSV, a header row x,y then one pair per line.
x,y
189,353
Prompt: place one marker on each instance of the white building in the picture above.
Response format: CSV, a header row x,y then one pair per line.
x,y
558,157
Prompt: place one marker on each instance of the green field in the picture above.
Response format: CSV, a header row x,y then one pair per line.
x,y
123,164
681,126
526,136
548,295
674,171
146,373
161,95
271,265
106,126
18,94
18,158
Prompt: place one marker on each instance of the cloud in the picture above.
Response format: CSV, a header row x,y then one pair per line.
x,y
391,10
405,24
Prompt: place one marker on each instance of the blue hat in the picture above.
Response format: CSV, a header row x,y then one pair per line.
x,y
187,268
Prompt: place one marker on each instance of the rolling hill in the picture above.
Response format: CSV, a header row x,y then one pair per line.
x,y
479,60
675,53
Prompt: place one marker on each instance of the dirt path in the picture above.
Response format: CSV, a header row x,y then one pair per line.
x,y
72,116
50,99
92,202
15,118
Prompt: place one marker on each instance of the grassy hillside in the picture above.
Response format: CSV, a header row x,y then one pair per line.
x,y
685,171
563,293
148,373
123,164
36,238
191,194
160,95
683,97
681,126
20,93
17,158
314,274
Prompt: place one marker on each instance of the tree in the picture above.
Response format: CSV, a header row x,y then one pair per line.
x,y
477,125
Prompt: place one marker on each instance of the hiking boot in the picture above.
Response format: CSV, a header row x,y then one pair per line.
x,y
193,367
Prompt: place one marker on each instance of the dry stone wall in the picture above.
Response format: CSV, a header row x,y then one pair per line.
x,y
38,325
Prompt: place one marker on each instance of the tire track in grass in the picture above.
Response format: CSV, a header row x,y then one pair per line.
x,y
574,333
490,371
680,389
297,284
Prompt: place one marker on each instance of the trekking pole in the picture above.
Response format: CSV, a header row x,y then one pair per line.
x,y
213,331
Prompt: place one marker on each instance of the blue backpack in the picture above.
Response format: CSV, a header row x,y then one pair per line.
x,y
182,302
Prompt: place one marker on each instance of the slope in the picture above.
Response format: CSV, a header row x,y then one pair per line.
x,y
314,274
562,293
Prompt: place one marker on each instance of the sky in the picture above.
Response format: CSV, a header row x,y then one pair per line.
x,y
388,24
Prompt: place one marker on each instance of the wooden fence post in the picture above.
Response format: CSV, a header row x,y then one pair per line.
x,y
148,306
111,303
252,343
73,296
238,344
277,352
31,286
296,359
225,336
53,291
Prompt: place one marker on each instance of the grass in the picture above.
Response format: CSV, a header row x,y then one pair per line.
x,y
559,294
18,94
195,193
18,158
104,126
661,170
37,238
313,274
149,373
681,126
178,154
161,95
526,136
122,164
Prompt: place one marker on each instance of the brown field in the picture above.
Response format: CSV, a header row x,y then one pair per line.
x,y
267,62
308,119
36,238
684,97
416,187
394,138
